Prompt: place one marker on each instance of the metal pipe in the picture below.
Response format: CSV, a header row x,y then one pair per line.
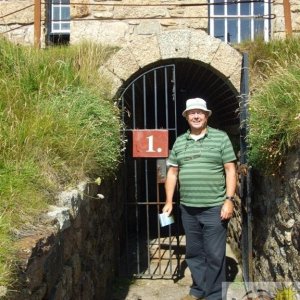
x,y
287,18
37,23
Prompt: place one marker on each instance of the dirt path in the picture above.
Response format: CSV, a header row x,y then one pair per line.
x,y
169,289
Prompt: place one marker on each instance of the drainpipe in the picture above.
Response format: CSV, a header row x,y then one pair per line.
x,y
287,18
246,180
37,23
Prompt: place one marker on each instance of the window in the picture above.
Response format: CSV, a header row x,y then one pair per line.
x,y
237,21
60,17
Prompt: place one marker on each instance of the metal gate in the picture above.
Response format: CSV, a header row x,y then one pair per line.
x,y
149,102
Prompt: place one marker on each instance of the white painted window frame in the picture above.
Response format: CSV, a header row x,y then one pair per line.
x,y
59,21
239,17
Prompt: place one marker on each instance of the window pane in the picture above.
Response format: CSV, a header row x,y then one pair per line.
x,y
55,26
56,15
219,9
245,30
232,8
65,26
245,8
259,28
60,1
65,13
259,8
219,29
232,31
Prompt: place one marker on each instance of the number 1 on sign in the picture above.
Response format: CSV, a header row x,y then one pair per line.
x,y
143,143
150,143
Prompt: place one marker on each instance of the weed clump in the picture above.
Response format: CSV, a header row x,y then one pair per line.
x,y
274,119
58,126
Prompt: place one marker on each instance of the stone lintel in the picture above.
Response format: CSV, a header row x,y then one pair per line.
x,y
101,33
148,27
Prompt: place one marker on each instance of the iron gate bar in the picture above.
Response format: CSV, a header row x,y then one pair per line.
x,y
146,168
146,203
130,130
176,206
174,99
155,99
133,104
166,98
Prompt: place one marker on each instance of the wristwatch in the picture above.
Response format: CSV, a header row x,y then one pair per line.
x,y
231,198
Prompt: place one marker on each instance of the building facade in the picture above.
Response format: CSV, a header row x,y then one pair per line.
x,y
115,22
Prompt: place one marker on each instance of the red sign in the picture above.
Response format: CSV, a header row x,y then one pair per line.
x,y
150,143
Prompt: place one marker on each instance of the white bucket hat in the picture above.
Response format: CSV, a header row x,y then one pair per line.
x,y
196,103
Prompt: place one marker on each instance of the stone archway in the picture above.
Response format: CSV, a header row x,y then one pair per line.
x,y
190,52
196,45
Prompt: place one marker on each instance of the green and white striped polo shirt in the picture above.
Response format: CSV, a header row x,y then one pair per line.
x,y
201,167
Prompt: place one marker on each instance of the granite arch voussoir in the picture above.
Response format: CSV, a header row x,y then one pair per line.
x,y
174,43
197,45
145,49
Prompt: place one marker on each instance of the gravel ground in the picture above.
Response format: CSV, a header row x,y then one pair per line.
x,y
169,289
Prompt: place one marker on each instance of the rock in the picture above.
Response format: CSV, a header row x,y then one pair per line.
x,y
61,215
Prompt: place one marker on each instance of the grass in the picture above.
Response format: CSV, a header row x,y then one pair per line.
x,y
274,122
58,126
264,57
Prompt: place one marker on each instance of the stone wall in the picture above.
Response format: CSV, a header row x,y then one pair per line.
x,y
73,251
278,24
116,23
17,21
276,223
147,17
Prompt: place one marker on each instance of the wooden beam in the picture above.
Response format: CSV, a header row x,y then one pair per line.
x,y
287,17
37,23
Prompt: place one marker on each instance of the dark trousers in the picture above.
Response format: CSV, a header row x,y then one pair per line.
x,y
205,250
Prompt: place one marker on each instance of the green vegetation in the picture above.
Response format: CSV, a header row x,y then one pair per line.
x,y
58,126
274,121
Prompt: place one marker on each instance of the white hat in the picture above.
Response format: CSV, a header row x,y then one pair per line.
x,y
196,103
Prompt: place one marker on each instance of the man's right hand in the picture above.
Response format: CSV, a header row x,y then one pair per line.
x,y
170,186
168,208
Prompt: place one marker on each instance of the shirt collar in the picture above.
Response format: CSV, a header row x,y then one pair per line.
x,y
187,134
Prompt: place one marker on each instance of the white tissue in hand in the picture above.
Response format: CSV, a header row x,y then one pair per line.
x,y
165,219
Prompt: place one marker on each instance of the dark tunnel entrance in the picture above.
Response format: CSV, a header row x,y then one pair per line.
x,y
155,99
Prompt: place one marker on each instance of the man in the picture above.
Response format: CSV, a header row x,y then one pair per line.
x,y
204,161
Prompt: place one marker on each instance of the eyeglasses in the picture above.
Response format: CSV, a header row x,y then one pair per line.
x,y
191,157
